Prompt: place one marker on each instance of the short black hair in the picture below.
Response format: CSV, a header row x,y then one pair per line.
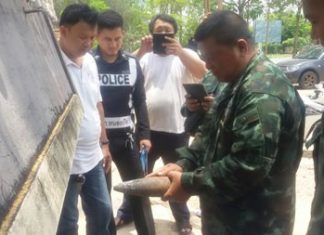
x,y
226,27
75,13
166,18
110,19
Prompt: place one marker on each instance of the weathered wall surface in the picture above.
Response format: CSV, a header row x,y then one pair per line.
x,y
39,122
48,5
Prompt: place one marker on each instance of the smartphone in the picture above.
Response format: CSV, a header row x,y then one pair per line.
x,y
158,40
196,90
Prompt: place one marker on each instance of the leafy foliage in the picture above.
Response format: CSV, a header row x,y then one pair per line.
x,y
59,5
249,9
189,13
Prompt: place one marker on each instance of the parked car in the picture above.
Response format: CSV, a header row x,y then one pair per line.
x,y
306,68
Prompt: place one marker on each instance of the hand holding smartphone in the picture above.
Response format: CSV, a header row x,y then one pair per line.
x,y
196,90
159,40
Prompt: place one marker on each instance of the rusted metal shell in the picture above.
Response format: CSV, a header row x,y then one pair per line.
x,y
146,187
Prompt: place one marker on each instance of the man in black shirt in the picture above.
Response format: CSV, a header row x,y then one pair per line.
x,y
123,95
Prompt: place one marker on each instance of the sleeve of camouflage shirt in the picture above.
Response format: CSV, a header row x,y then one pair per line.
x,y
256,129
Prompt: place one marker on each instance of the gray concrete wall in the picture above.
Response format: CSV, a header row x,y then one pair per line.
x,y
39,122
48,5
40,209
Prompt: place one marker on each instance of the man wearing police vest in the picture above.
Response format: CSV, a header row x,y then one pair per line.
x,y
123,94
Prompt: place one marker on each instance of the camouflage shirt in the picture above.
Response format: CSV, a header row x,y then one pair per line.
x,y
211,84
244,158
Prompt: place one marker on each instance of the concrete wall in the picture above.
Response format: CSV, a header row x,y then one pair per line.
x,y
39,122
48,5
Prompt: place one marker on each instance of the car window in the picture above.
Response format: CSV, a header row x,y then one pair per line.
x,y
310,53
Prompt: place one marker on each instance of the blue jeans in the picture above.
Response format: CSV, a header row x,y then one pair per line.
x,y
96,203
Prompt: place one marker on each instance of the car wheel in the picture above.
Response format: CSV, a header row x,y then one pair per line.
x,y
308,79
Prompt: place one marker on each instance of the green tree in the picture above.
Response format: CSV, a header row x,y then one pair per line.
x,y
189,13
296,30
59,5
137,14
248,9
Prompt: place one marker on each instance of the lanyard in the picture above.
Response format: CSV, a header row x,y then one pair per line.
x,y
143,155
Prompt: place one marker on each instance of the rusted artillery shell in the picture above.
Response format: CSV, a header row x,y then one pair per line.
x,y
146,187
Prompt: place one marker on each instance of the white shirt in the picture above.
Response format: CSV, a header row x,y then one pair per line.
x,y
164,76
86,82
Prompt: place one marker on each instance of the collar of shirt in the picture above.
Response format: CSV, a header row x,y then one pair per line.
x,y
68,61
122,56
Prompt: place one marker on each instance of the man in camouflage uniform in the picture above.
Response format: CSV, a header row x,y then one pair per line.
x,y
313,10
244,158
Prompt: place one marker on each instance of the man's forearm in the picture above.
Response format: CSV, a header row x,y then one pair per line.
x,y
103,135
195,65
138,53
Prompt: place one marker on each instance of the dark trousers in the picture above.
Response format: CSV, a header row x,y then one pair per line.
x,y
95,203
164,145
316,224
126,157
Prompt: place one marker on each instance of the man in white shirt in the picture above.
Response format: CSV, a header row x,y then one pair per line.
x,y
92,156
164,74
